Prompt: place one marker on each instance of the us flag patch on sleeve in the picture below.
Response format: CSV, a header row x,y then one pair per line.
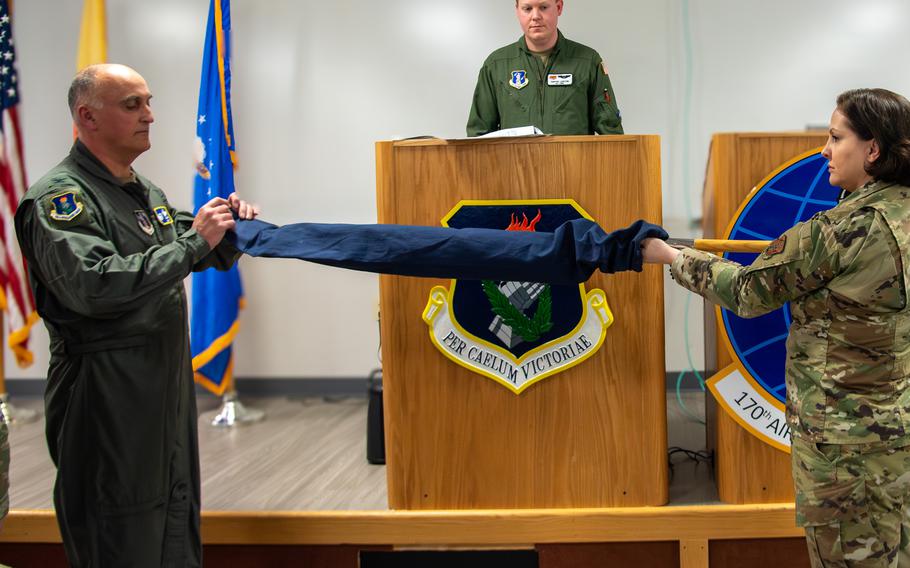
x,y
777,246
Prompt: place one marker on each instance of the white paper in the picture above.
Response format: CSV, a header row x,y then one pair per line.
x,y
517,131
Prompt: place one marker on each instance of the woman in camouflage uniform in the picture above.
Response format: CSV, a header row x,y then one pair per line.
x,y
846,272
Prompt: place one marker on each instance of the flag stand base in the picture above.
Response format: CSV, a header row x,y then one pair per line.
x,y
14,415
234,413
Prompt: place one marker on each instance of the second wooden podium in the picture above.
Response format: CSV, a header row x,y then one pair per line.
x,y
592,436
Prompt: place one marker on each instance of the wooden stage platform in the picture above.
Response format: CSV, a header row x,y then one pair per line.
x,y
296,491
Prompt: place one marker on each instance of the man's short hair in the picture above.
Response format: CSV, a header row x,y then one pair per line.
x,y
82,89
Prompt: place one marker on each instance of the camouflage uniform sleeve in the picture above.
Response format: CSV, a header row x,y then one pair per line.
x,y
222,257
605,115
805,258
78,263
484,116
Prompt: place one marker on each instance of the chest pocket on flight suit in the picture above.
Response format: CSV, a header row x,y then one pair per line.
x,y
165,230
572,98
516,100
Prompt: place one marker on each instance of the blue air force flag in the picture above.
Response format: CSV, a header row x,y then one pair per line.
x,y
516,332
217,296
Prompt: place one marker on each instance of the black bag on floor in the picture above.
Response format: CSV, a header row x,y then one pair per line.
x,y
375,426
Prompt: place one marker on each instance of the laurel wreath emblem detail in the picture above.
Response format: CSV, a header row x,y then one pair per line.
x,y
530,329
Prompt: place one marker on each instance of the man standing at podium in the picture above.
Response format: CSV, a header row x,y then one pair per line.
x,y
544,80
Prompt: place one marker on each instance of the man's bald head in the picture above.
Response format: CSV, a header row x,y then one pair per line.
x,y
86,83
111,108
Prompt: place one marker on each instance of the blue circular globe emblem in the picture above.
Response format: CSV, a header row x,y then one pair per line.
x,y
753,389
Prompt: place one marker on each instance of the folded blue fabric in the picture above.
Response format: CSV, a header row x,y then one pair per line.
x,y
567,256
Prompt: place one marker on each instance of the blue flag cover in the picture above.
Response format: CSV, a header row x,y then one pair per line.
x,y
217,296
567,256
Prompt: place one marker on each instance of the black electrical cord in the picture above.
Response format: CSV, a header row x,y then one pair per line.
x,y
698,457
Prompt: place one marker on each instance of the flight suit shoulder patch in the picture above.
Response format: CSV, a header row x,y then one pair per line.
x,y
64,205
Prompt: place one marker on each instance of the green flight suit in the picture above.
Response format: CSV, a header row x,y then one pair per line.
x,y
846,274
107,261
572,94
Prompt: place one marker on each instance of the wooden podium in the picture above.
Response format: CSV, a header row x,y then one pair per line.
x,y
748,470
592,436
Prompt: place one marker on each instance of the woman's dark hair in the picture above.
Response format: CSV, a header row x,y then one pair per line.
x,y
884,116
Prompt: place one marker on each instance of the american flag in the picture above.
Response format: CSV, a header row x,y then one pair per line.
x,y
15,294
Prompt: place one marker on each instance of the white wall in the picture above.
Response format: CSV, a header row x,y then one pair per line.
x,y
316,83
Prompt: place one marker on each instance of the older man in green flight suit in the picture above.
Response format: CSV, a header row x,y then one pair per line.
x,y
107,255
544,80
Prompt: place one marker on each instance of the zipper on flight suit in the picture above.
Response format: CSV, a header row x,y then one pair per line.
x,y
541,88
536,110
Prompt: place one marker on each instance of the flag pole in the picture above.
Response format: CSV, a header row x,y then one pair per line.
x,y
233,412
217,296
8,413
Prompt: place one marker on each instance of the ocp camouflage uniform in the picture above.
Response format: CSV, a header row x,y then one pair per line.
x,y
846,272
579,99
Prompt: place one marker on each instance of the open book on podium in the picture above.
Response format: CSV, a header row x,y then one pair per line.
x,y
517,132
487,412
513,132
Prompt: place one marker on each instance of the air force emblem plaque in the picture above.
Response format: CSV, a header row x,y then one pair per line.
x,y
516,333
